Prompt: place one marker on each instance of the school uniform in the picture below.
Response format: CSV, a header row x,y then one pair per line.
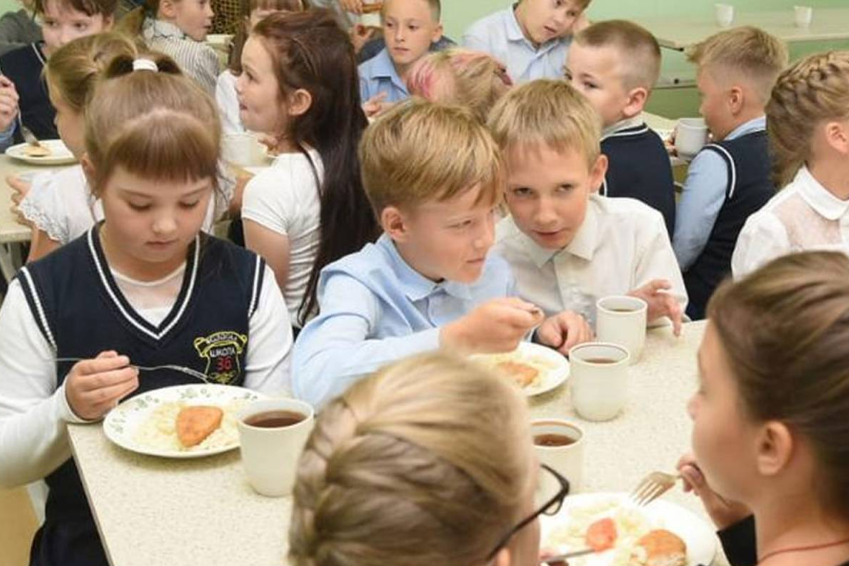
x,y
24,67
377,75
375,309
639,168
196,59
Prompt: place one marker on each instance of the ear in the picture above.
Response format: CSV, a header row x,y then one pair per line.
x,y
502,558
837,136
88,169
775,448
736,98
107,22
299,102
394,222
597,173
167,9
437,33
636,101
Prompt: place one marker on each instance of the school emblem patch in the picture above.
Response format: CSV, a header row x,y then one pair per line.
x,y
221,351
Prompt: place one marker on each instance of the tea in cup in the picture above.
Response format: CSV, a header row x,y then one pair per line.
x,y
622,320
599,377
691,134
558,444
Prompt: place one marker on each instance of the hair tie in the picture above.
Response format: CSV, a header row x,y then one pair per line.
x,y
145,65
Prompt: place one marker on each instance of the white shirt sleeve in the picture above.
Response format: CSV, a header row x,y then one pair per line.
x,y
45,208
270,342
33,411
228,103
267,201
656,260
762,239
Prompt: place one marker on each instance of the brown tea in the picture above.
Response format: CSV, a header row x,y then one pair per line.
x,y
553,440
275,419
600,361
622,310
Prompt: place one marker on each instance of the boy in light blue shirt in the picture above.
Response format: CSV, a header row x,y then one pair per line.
x,y
433,176
410,27
531,38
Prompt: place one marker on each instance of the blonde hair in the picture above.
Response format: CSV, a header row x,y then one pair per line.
x,y
811,91
635,46
420,151
549,113
156,125
460,76
785,332
426,462
434,5
750,54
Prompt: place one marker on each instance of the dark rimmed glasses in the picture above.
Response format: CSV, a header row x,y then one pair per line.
x,y
550,507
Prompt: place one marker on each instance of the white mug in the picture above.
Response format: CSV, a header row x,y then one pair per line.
x,y
599,380
724,14
370,17
621,319
804,16
691,134
243,149
566,459
270,455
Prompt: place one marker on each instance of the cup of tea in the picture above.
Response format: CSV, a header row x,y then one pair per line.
x,y
691,134
243,149
622,320
370,17
724,14
804,15
599,380
272,434
560,445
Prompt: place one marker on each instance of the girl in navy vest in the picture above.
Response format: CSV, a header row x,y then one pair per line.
x,y
144,287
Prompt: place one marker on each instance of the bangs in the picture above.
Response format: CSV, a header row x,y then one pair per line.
x,y
480,169
87,7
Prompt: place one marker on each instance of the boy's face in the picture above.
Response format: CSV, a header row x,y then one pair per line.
x,y
597,73
409,28
61,24
446,239
194,17
548,190
714,106
544,20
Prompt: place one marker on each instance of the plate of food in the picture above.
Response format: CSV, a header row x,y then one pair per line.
x,y
48,152
184,421
624,534
536,369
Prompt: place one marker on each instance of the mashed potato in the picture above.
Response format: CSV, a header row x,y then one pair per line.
x,y
159,431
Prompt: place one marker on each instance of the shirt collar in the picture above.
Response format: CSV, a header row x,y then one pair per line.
x,y
384,68
622,125
154,28
414,285
753,125
583,245
818,197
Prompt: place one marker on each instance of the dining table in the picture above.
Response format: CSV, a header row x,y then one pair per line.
x,y
152,510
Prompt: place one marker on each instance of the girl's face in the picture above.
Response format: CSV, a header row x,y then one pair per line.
x,y
150,223
70,124
61,24
261,108
193,17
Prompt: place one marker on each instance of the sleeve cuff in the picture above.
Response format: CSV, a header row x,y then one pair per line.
x,y
66,413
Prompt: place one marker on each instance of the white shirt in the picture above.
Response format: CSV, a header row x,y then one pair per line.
x,y
34,411
228,103
285,199
622,245
804,215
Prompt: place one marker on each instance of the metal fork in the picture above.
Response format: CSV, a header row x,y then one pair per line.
x,y
29,137
653,486
182,369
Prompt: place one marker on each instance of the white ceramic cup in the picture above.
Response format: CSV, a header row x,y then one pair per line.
x,y
270,455
724,14
567,460
804,15
691,134
622,320
243,149
372,18
599,389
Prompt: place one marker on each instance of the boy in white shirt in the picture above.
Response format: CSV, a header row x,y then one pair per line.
x,y
568,246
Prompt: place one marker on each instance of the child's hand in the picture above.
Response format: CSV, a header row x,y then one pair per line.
x,y
565,330
20,188
660,302
94,386
8,102
724,513
360,35
496,326
374,106
354,6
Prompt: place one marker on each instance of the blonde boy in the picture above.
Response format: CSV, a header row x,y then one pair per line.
x,y
532,37
409,29
433,175
615,64
567,245
729,179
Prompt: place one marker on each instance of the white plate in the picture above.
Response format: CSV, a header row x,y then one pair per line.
x,y
59,154
553,366
219,39
122,423
697,534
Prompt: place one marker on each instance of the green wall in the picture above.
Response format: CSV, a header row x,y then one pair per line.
x,y
6,5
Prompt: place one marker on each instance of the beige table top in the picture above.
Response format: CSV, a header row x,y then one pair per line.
x,y
203,512
680,33
10,230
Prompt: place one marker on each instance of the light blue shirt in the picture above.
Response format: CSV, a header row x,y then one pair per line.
x,y
499,35
377,75
376,309
702,198
7,136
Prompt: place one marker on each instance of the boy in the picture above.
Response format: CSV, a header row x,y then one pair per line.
x,y
22,88
615,64
433,176
729,179
531,38
568,246
409,29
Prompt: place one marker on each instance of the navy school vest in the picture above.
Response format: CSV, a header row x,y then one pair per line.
x,y
24,67
81,312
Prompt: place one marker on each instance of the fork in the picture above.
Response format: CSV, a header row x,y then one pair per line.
x,y
182,369
29,137
653,486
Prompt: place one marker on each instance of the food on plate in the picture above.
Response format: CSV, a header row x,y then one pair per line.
x,y
36,150
660,548
523,374
157,429
196,422
601,535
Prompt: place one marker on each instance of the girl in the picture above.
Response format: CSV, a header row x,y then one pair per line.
x,y
144,287
770,429
225,89
299,84
808,127
429,461
460,76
